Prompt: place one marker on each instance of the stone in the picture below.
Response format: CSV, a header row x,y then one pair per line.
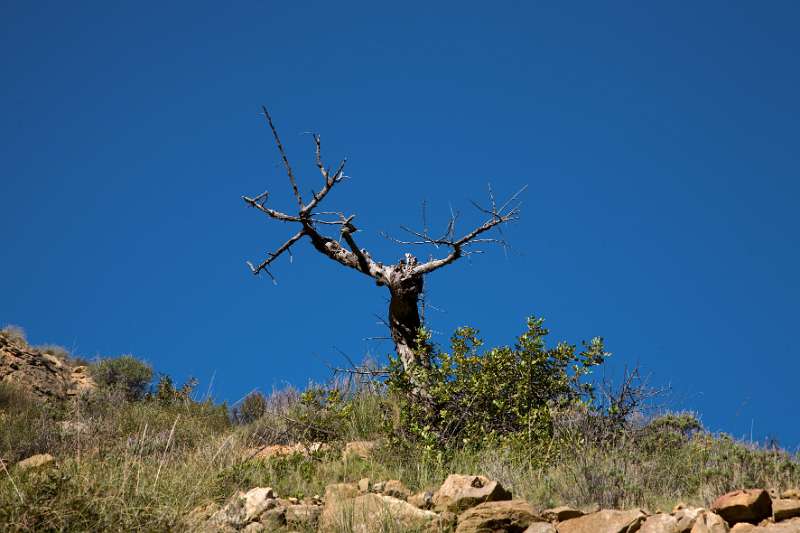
x,y
340,491
423,500
687,516
276,451
305,516
605,521
661,523
708,522
788,526
541,527
35,462
274,518
364,484
362,449
785,508
510,516
255,527
71,428
245,507
561,513
373,513
459,492
793,494
751,505
396,489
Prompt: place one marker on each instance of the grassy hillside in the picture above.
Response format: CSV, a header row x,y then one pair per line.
x,y
144,462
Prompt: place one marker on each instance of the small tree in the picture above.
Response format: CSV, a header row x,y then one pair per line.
x,y
404,279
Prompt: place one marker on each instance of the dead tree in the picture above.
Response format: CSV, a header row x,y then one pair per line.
x,y
405,278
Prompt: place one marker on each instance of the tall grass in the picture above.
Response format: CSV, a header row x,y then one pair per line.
x,y
144,465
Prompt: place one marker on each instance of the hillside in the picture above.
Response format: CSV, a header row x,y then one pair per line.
x,y
80,454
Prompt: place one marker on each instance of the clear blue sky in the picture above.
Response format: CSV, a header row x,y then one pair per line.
x,y
659,140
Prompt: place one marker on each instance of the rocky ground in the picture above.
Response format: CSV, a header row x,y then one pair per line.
x,y
475,504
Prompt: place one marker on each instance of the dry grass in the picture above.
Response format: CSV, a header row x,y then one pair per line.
x,y
143,466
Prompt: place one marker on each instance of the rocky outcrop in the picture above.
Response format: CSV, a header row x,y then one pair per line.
x,y
43,375
752,506
476,504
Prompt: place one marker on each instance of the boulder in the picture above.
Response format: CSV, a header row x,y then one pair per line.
x,y
512,516
687,516
751,505
540,527
373,513
788,526
423,500
605,521
364,484
396,489
245,507
304,516
791,494
661,523
785,508
708,522
35,462
459,492
559,514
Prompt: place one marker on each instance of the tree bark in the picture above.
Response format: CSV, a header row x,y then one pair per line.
x,y
405,323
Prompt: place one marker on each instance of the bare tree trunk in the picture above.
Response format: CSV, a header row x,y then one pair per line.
x,y
405,323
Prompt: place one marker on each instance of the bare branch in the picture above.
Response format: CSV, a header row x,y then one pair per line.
x,y
283,156
274,255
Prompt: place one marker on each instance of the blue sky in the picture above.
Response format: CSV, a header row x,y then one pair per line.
x,y
659,142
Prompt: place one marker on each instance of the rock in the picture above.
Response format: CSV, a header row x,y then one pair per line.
x,y
511,516
378,487
423,500
661,523
197,517
460,492
687,516
605,521
793,494
364,484
752,505
559,514
304,516
788,526
396,489
245,507
35,462
41,374
540,527
708,522
785,508
340,491
360,448
255,527
370,513
274,518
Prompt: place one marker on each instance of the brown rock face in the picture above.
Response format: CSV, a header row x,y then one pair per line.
x,y
708,522
660,523
459,492
752,505
43,375
513,516
605,521
785,508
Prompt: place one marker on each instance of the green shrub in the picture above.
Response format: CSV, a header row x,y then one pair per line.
x,y
253,407
124,373
503,394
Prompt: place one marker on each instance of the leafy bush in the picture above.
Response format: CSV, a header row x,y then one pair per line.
x,y
125,373
253,407
503,394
